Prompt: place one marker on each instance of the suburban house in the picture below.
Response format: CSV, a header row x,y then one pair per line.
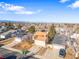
x,y
6,34
40,38
28,37
74,35
22,36
75,43
60,30
2,28
59,42
18,38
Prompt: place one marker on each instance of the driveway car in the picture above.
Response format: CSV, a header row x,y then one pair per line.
x,y
62,53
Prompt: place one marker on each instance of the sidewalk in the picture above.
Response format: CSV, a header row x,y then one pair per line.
x,y
11,49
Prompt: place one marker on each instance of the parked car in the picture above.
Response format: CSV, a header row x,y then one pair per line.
x,y
1,58
28,57
0,26
62,53
10,56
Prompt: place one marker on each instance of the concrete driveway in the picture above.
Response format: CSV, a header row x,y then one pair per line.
x,y
51,54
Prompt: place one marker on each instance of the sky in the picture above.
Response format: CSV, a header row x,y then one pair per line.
x,y
57,11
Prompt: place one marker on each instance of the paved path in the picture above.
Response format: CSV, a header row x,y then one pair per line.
x,y
8,46
12,44
34,49
12,49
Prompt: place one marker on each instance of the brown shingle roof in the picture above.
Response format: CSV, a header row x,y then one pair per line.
x,y
42,36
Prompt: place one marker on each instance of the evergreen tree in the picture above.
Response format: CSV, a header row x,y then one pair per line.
x,y
51,32
31,29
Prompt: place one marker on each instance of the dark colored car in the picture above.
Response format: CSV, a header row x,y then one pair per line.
x,y
11,57
28,57
62,53
1,58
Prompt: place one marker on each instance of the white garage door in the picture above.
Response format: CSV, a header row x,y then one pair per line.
x,y
41,43
58,46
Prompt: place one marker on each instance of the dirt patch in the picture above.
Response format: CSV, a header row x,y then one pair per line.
x,y
23,45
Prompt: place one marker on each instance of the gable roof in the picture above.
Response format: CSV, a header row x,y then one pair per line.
x,y
42,36
58,39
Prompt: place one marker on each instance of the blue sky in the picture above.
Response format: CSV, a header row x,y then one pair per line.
x,y
59,11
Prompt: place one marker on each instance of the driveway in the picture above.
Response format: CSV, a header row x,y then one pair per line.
x,y
51,54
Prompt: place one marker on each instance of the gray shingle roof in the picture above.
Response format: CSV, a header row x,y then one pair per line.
x,y
59,39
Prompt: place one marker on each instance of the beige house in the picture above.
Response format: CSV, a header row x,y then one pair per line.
x,y
40,38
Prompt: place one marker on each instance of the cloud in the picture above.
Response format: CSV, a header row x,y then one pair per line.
x,y
10,7
1,12
28,12
74,5
17,9
63,1
25,12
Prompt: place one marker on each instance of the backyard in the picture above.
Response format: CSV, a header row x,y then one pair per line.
x,y
24,45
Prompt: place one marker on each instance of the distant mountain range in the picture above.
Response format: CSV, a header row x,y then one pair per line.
x,y
33,22
15,21
19,21
12,21
9,21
